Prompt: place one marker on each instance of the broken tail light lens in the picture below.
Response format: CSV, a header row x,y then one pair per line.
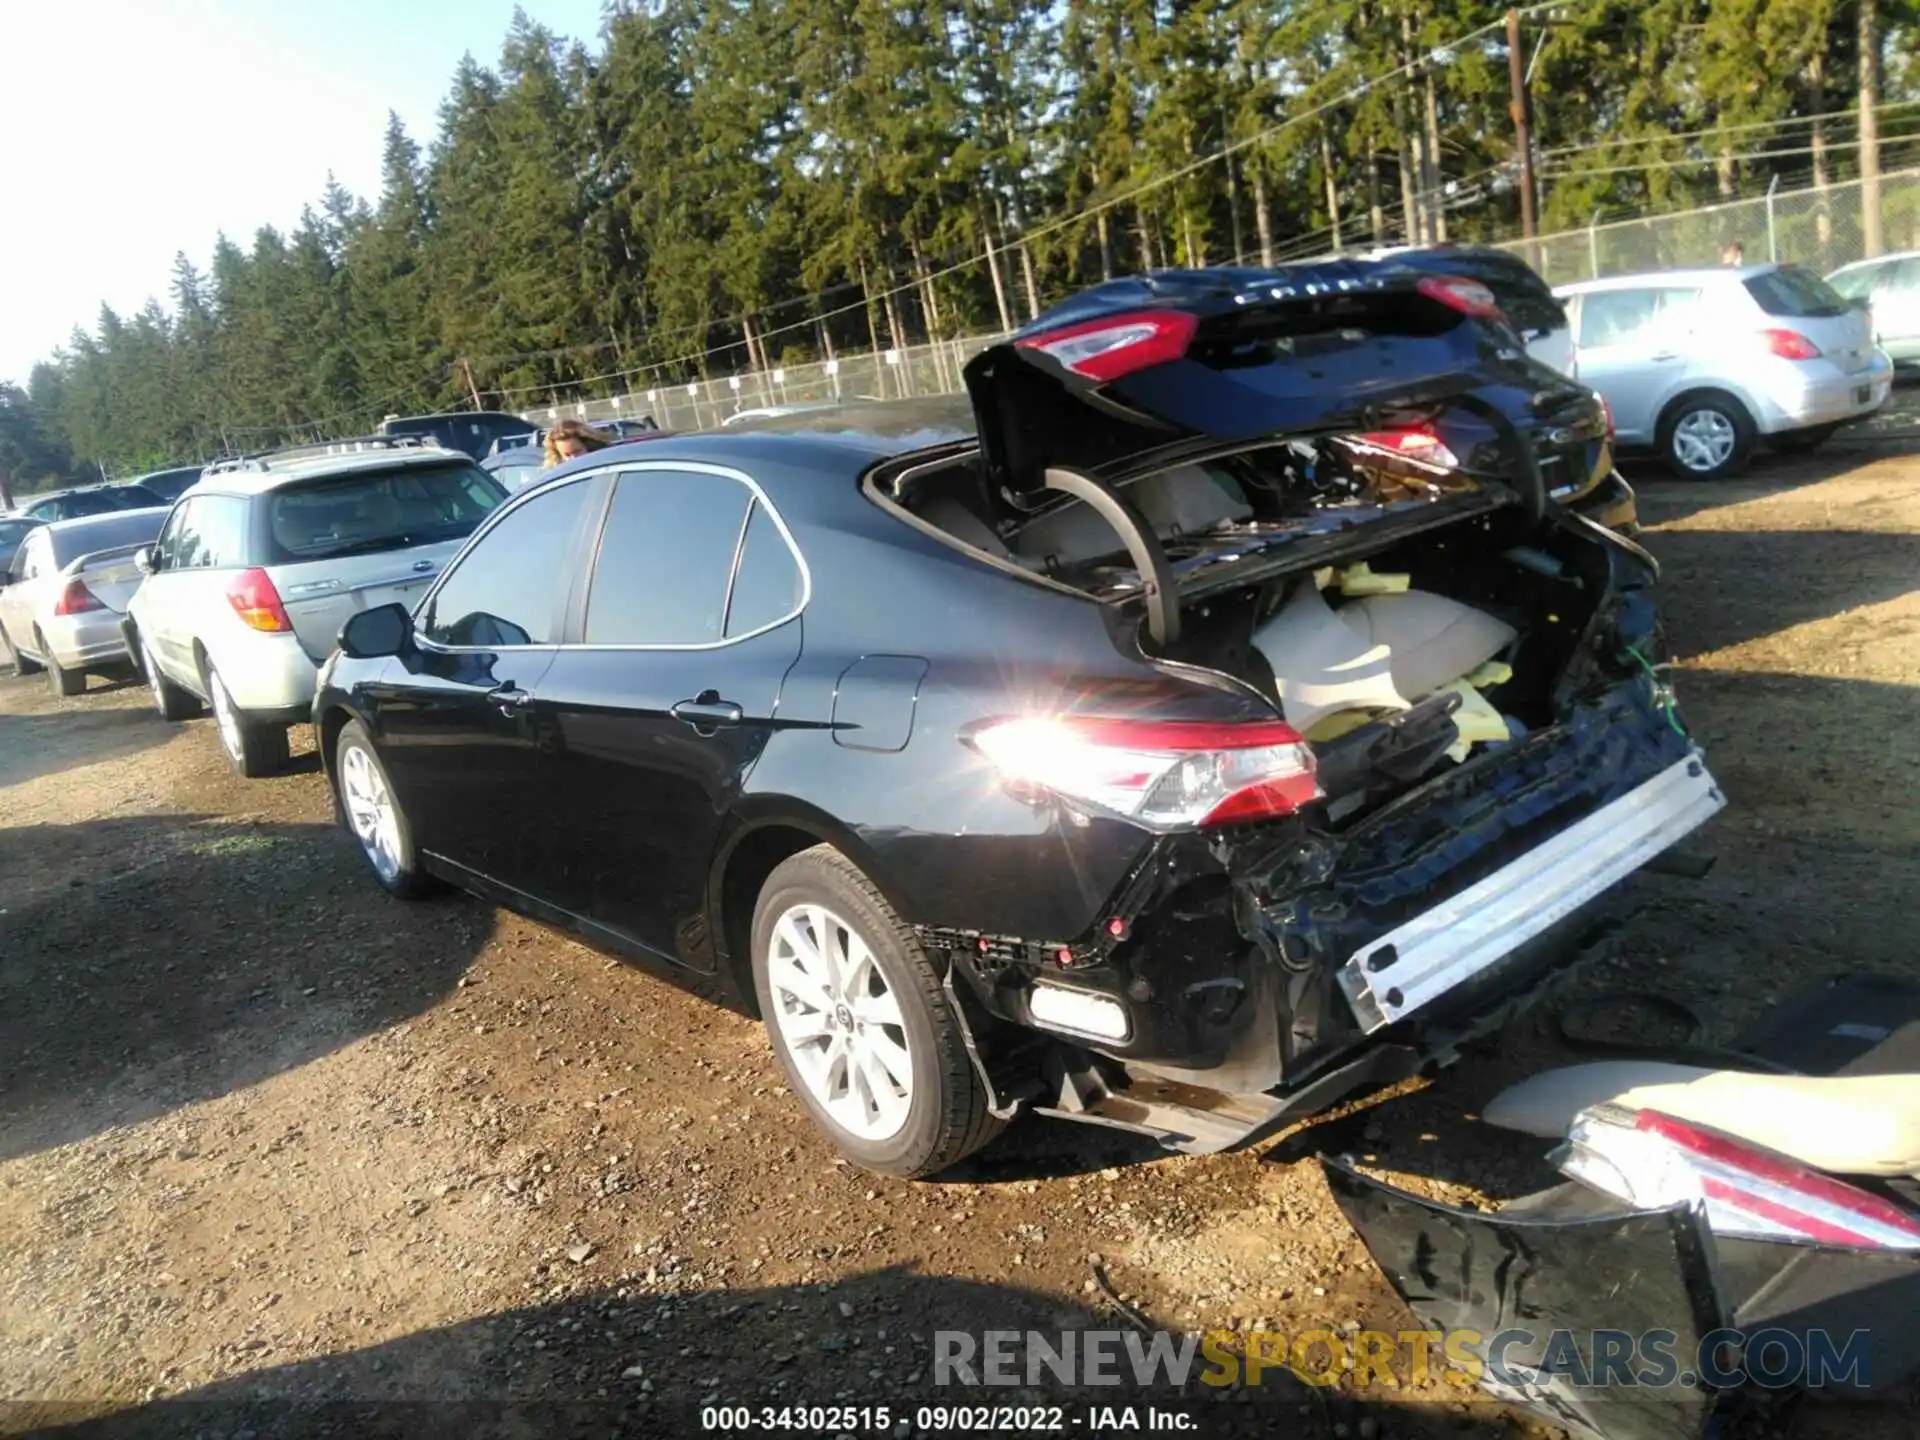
x,y
1166,775
1469,297
1790,345
76,599
1651,1160
1419,443
257,603
1117,345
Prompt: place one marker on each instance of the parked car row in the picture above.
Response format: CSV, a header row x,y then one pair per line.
x,y
1210,714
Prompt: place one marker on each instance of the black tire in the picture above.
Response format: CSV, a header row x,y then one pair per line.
x,y
1800,442
404,878
1713,412
21,664
64,682
947,1117
170,702
255,750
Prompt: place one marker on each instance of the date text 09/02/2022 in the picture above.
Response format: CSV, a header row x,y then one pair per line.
x,y
946,1419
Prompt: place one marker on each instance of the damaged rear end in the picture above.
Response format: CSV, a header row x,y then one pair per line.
x,y
1419,729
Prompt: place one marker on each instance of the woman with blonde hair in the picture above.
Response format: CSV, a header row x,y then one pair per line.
x,y
570,439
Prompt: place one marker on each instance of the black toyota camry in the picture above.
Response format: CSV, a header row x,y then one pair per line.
x,y
1207,716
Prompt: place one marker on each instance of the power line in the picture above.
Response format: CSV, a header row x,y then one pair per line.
x,y
1785,122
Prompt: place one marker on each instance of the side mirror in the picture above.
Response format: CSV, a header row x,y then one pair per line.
x,y
386,630
143,560
1862,303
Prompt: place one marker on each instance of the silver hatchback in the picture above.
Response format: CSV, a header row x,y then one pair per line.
x,y
1702,364
265,558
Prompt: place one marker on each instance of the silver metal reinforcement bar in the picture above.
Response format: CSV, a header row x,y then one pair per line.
x,y
1392,977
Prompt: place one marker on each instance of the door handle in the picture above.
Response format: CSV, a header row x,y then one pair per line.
x,y
709,711
510,698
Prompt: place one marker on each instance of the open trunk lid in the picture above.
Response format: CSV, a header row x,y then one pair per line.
x,y
1152,368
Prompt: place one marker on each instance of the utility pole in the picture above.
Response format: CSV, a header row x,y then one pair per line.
x,y
1872,218
1523,138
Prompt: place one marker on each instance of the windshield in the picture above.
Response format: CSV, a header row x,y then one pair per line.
x,y
385,510
1794,293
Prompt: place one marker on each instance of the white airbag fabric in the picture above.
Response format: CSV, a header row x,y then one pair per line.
x,y
1321,666
1433,640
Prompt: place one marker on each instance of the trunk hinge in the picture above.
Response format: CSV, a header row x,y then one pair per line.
x,y
1156,575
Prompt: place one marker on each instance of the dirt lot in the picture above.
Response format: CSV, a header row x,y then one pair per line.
x,y
266,1135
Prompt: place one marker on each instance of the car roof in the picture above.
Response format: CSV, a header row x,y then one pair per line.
x,y
311,467
1874,260
848,438
1700,275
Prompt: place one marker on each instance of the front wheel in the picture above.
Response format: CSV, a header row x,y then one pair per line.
x,y
170,702
861,1022
1708,436
371,812
256,750
21,664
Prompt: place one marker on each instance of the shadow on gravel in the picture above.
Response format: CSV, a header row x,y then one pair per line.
x,y
577,1367
36,745
1662,496
1722,587
149,963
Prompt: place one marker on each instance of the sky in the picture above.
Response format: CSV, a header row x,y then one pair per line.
x,y
134,129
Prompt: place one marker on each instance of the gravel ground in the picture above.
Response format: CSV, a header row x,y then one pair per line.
x,y
268,1136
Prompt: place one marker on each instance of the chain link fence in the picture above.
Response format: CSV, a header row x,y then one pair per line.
x,y
1818,227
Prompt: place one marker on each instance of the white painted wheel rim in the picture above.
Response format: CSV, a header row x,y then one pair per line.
x,y
153,679
840,1022
1703,440
224,715
370,811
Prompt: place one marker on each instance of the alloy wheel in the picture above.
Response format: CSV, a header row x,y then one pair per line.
x,y
840,1022
370,811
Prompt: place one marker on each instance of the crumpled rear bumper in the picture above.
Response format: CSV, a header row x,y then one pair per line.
x,y
1638,1325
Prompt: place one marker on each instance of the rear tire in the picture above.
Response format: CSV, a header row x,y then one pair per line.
x,y
371,813
64,682
170,702
255,750
21,664
861,1023
1800,442
1707,435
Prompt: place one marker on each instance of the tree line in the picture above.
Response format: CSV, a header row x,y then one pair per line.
x,y
716,184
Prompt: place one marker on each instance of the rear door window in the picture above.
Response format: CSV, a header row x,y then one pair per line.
x,y
766,587
1795,294
508,588
665,559
388,509
220,529
1860,280
1621,317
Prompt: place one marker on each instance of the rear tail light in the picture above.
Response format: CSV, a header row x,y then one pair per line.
x,y
1117,345
257,603
1166,775
1419,444
1790,345
76,599
1652,1160
1469,297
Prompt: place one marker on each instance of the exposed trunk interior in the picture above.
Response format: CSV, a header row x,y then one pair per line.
x,y
1400,613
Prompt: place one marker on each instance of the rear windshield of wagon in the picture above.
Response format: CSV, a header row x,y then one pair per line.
x,y
390,509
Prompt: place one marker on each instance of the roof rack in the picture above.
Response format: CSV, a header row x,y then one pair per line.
x,y
260,460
